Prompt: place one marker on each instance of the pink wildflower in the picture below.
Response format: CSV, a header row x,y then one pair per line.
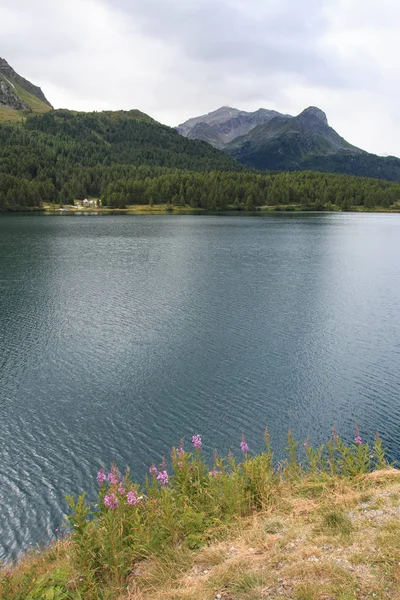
x,y
113,476
132,498
196,441
153,470
243,445
163,477
111,501
121,489
101,476
357,439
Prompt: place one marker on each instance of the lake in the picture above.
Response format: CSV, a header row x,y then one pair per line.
x,y
121,334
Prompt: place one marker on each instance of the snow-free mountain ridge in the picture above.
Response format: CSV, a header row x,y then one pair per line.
x,y
268,140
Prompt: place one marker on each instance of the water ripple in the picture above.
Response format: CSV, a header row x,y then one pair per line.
x,y
120,335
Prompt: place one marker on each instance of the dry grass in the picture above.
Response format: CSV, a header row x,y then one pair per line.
x,y
8,114
341,542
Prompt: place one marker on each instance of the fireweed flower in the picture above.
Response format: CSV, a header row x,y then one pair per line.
x,y
113,476
121,489
111,501
101,476
243,445
196,441
163,477
132,498
153,470
357,439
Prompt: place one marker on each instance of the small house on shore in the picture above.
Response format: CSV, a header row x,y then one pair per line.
x,y
86,203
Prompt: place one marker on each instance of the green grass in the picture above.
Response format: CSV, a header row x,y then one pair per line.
x,y
8,114
36,105
338,523
179,532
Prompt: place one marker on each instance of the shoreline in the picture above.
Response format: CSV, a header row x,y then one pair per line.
x,y
269,523
187,210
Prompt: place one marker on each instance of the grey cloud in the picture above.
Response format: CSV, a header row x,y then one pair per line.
x,y
263,37
177,58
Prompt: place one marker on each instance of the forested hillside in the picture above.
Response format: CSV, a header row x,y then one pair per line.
x,y
126,158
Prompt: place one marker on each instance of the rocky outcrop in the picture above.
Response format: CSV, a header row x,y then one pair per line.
x,y
10,79
9,98
224,125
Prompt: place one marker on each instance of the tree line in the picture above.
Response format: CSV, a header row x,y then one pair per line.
x,y
126,159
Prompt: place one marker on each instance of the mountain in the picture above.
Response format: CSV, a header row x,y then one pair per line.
x,y
18,96
64,155
127,158
283,142
125,137
220,127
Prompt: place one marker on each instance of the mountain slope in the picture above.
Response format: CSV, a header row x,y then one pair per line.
x,y
124,137
127,158
285,142
220,127
307,142
282,142
18,96
64,155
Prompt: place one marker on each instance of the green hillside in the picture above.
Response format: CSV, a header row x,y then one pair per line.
x,y
63,155
127,158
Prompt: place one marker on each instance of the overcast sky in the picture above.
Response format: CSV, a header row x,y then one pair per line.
x,y
176,59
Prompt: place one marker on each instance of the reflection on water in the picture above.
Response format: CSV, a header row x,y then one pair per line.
x,y
121,334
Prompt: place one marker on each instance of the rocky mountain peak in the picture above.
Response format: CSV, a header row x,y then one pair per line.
x,y
313,113
225,124
5,68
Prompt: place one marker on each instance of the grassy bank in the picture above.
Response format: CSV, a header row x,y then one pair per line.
x,y
322,524
146,209
133,208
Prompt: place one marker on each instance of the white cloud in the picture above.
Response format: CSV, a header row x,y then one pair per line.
x,y
182,58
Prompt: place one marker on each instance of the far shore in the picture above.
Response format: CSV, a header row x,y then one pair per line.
x,y
168,209
156,209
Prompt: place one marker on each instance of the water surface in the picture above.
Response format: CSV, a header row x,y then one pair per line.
x,y
121,334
